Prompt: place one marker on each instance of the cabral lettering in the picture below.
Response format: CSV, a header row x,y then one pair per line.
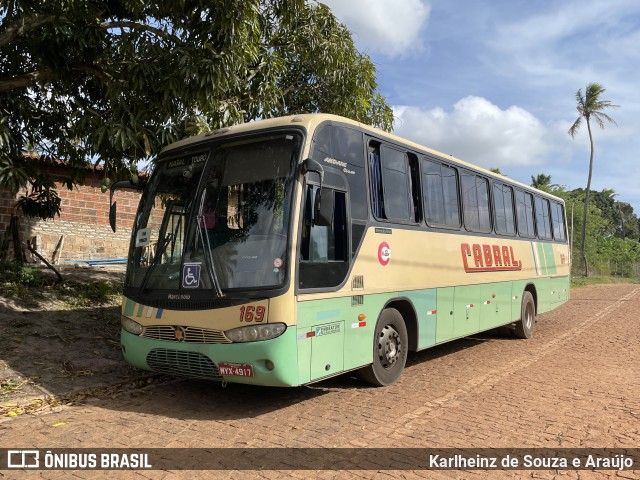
x,y
488,258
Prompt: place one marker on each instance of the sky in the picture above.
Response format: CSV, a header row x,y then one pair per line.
x,y
494,82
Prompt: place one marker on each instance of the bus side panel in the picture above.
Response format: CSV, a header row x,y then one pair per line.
x,y
425,303
560,289
347,342
444,317
466,316
543,287
495,305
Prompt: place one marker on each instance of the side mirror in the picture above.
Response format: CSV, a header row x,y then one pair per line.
x,y
112,205
310,165
112,216
323,210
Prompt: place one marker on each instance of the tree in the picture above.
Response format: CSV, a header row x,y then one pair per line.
x,y
589,106
541,182
115,80
497,171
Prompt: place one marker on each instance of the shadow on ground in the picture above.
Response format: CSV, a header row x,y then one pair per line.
x,y
64,354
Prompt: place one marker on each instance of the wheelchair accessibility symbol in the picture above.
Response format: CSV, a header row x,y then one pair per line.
x,y
191,275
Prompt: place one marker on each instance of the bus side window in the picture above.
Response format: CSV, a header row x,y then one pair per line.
x,y
524,214
503,209
475,200
557,218
543,222
396,185
440,192
375,174
324,249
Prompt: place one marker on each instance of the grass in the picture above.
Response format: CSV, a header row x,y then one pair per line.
x,y
87,294
578,281
28,284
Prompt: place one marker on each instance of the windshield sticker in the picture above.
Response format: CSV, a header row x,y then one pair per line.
x,y
327,329
191,275
185,161
143,237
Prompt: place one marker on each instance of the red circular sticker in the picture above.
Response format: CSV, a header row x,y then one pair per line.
x,y
384,253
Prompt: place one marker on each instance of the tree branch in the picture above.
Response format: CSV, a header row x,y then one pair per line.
x,y
26,80
141,26
30,79
27,25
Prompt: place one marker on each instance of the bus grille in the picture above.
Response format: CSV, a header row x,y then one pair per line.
x,y
183,364
189,334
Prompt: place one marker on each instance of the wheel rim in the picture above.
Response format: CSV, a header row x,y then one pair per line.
x,y
389,346
528,317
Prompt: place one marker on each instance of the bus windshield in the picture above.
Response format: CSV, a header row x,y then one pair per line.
x,y
218,219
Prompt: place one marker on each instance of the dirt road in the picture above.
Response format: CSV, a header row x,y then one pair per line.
x,y
575,384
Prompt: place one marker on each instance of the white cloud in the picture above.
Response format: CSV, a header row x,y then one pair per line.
x,y
479,132
389,27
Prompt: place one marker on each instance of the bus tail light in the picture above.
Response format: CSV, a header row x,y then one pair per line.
x,y
255,333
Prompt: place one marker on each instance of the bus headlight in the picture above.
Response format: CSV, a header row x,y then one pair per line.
x,y
130,325
255,333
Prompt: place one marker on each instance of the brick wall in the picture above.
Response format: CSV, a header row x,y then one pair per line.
x,y
83,220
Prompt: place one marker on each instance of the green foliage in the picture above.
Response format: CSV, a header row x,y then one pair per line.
x,y
87,294
117,81
541,182
608,247
577,282
12,273
28,283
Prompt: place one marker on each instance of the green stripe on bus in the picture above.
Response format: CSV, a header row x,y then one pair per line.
x,y
129,307
551,260
541,258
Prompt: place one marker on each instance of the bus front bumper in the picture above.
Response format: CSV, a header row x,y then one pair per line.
x,y
269,362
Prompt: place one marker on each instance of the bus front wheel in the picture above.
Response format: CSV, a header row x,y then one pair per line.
x,y
526,325
390,348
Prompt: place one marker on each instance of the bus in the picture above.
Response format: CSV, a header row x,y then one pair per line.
x,y
285,251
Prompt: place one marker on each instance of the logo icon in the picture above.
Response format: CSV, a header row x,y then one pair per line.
x,y
191,275
179,333
23,459
384,254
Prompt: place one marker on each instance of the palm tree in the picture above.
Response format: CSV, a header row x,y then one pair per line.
x,y
590,106
541,181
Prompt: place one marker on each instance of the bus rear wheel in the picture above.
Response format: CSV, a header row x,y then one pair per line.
x,y
390,348
526,325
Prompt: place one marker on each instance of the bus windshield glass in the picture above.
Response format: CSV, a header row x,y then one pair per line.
x,y
218,219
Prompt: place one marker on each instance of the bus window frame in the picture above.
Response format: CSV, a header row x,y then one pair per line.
x,y
502,185
350,259
429,158
477,175
543,199
563,218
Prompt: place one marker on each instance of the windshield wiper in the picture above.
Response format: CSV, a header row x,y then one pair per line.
x,y
159,252
208,258
206,248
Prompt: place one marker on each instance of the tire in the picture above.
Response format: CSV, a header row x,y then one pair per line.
x,y
390,349
527,323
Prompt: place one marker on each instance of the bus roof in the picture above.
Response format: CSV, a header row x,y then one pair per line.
x,y
311,120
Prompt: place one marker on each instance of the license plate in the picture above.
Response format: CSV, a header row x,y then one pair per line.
x,y
235,369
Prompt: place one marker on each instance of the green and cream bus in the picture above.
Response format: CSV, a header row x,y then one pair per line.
x,y
286,251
